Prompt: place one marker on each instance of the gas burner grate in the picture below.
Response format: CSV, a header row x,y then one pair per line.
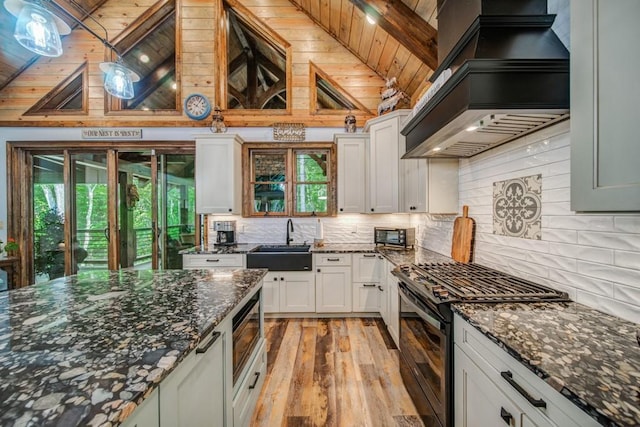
x,y
476,283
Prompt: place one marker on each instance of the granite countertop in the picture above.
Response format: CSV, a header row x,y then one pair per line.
x,y
87,349
396,255
590,357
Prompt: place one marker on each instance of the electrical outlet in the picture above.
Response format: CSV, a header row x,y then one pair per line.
x,y
1,225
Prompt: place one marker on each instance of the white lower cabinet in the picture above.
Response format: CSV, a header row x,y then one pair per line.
x,y
212,261
333,283
367,276
289,292
247,392
393,301
147,414
194,393
271,293
366,297
491,388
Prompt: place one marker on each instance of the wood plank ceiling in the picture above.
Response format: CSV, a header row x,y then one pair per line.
x,y
401,44
383,46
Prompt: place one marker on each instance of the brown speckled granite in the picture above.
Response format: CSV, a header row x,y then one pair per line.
x,y
82,350
590,357
409,256
240,248
344,248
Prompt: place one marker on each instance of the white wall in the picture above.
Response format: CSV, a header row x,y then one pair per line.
x,y
594,257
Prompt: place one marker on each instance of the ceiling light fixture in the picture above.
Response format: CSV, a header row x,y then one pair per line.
x,y
38,29
370,19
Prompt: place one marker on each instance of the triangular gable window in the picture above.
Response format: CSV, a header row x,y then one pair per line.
x,y
149,49
328,97
68,97
257,64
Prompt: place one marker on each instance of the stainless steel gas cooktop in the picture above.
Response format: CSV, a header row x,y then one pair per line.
x,y
457,282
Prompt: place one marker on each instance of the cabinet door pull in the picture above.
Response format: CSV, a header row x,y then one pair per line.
x,y
214,338
255,381
333,259
214,260
380,288
506,416
508,376
369,285
369,255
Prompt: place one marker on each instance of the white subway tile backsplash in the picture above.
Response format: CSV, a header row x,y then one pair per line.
x,y
627,224
625,276
559,235
578,281
551,261
575,222
584,253
622,309
595,258
627,259
622,241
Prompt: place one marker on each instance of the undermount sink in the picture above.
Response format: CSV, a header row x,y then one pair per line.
x,y
280,257
282,248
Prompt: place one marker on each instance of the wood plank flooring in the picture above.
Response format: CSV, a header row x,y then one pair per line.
x,y
332,372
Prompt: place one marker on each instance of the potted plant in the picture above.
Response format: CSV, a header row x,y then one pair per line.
x,y
11,247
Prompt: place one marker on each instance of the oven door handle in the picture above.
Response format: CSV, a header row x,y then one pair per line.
x,y
422,312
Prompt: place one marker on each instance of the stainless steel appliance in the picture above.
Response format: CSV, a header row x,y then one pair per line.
x,y
426,338
405,237
225,232
246,334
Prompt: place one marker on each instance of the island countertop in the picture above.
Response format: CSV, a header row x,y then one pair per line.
x,y
87,349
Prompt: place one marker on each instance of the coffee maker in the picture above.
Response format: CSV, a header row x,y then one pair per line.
x,y
225,232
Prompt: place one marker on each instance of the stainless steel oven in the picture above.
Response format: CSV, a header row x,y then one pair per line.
x,y
426,345
246,333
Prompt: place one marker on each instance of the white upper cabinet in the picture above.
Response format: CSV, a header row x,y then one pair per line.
x,y
219,174
604,94
383,161
352,172
429,185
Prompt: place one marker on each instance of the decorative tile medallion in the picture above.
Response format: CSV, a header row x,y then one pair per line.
x,y
517,204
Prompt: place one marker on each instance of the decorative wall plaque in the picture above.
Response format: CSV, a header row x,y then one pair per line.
x,y
288,132
517,207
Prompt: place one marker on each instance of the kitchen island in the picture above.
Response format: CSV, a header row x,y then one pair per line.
x,y
88,349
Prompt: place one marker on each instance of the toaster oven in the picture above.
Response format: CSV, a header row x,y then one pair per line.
x,y
404,237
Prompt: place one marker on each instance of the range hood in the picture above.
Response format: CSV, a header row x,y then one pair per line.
x,y
509,76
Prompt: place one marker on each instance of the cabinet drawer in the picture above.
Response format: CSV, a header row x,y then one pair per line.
x,y
332,259
246,397
212,261
495,361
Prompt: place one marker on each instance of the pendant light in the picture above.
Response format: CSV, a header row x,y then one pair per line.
x,y
39,30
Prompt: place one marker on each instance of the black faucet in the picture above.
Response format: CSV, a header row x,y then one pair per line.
x,y
289,228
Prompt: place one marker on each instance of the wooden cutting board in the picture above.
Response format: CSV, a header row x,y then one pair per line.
x,y
463,228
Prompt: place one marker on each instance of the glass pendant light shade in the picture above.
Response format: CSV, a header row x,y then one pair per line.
x,y
36,30
118,80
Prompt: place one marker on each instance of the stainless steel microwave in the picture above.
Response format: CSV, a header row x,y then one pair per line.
x,y
405,237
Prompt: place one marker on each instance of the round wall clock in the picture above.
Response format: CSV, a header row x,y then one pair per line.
x,y
197,106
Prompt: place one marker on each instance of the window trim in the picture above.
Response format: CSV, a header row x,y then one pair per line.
x,y
290,180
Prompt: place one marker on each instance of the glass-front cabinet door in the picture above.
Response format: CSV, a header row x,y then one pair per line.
x,y
268,181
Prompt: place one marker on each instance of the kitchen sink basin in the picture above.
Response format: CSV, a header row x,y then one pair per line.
x,y
280,258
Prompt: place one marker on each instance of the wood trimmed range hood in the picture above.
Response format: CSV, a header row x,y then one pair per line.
x,y
510,77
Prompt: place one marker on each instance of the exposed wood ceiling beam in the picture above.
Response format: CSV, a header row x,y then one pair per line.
x,y
404,25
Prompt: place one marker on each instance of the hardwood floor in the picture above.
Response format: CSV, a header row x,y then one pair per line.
x,y
332,372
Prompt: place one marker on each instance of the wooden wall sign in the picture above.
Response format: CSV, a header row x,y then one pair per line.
x,y
111,133
289,132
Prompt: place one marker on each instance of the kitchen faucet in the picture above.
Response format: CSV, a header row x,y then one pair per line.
x,y
289,228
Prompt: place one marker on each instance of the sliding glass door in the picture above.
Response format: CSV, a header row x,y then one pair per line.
x,y
109,209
